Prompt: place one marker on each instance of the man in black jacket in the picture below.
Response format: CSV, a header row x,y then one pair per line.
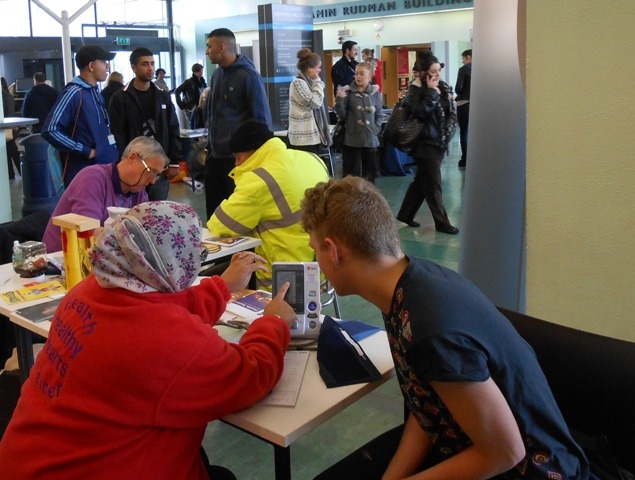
x,y
143,109
463,86
39,101
343,70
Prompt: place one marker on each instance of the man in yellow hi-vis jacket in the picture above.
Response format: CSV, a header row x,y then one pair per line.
x,y
270,184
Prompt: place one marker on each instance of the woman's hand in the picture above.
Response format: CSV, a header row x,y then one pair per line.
x,y
278,307
433,82
241,268
313,73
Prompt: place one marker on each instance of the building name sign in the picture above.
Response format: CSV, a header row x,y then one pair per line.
x,y
359,10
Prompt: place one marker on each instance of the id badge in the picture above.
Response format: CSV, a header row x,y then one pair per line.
x,y
111,139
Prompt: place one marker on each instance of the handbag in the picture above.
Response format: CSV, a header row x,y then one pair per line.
x,y
339,132
402,129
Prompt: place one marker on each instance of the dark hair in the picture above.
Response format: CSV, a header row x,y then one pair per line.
x,y
197,67
159,70
424,61
137,53
223,33
227,35
39,77
4,84
347,45
307,59
467,53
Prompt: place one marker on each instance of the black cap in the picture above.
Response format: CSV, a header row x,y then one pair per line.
x,y
251,135
90,53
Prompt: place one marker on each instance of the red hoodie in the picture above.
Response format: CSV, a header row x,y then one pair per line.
x,y
127,382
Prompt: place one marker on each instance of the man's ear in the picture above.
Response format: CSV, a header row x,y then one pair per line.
x,y
333,250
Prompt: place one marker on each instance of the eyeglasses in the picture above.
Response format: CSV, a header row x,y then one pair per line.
x,y
152,171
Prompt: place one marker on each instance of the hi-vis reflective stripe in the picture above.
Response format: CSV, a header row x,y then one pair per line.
x,y
230,223
289,217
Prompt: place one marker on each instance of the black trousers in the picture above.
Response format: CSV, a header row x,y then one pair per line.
x,y
463,117
367,463
218,184
216,472
426,186
13,155
360,162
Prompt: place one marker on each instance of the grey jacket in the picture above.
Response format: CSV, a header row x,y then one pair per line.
x,y
363,114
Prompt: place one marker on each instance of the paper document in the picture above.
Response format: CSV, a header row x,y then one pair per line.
x,y
250,306
285,393
33,291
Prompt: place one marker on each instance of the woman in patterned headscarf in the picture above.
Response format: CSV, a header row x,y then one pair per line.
x,y
132,371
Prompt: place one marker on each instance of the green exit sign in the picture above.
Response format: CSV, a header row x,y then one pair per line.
x,y
123,40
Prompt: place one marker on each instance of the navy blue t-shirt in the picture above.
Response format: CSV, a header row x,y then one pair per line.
x,y
442,328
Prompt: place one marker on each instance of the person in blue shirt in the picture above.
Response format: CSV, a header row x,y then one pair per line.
x,y
78,125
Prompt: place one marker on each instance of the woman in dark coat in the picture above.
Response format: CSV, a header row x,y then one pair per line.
x,y
430,100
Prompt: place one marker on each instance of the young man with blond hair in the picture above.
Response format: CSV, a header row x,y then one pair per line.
x,y
478,403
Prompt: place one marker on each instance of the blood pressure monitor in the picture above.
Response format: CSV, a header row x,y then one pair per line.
x,y
303,295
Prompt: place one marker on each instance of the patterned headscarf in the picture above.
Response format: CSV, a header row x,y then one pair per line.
x,y
155,246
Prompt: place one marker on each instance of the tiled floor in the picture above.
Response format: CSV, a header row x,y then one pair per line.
x,y
250,458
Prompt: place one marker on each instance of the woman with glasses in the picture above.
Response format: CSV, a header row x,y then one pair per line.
x,y
132,371
97,187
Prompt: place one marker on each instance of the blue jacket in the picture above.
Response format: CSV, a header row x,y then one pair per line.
x,y
237,95
78,122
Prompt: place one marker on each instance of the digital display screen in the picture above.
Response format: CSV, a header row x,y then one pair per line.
x,y
295,294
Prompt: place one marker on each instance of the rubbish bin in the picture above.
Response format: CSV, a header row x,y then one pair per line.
x,y
37,186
